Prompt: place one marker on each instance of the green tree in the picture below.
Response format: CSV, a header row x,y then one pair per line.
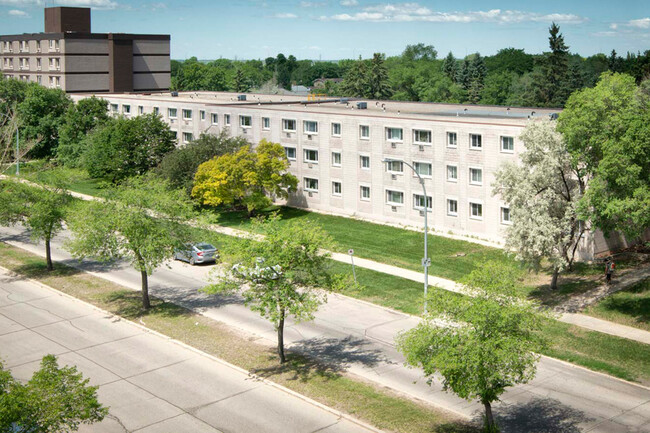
x,y
280,275
450,66
510,60
179,166
497,88
247,178
377,79
143,221
557,65
240,83
419,52
355,79
54,400
542,192
480,345
607,133
124,147
78,121
41,209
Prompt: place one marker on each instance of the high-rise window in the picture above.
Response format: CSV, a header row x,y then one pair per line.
x,y
475,210
310,127
289,125
452,207
394,197
475,176
365,193
394,134
336,129
365,162
364,132
311,155
452,139
337,189
507,144
336,159
423,169
311,184
419,202
421,136
475,141
452,173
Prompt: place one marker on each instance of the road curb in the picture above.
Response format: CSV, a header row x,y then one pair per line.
x,y
339,414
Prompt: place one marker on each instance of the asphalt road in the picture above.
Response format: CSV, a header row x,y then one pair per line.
x,y
149,383
358,337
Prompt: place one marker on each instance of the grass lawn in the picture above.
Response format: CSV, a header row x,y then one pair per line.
x,y
629,307
371,403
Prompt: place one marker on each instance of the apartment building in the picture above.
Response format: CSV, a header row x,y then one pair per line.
x,y
68,56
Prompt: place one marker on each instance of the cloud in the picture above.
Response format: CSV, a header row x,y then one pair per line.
x,y
643,23
18,13
410,12
305,4
349,3
314,47
285,15
95,4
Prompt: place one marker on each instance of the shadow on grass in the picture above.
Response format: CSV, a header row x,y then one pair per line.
x,y
540,415
338,354
568,287
128,304
633,302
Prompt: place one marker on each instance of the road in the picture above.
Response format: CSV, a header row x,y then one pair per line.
x,y
150,383
359,337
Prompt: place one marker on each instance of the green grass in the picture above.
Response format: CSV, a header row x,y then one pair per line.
x,y
629,307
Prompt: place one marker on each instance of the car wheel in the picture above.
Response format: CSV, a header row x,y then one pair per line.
x,y
192,262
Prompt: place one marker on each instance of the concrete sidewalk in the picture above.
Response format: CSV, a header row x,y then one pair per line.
x,y
149,383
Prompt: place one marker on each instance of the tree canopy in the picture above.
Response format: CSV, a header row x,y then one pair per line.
x,y
79,120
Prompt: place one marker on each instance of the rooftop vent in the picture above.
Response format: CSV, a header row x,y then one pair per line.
x,y
241,97
174,93
362,105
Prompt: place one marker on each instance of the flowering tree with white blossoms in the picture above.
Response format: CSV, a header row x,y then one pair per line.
x,y
542,192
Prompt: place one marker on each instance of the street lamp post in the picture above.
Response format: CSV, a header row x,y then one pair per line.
x,y
426,262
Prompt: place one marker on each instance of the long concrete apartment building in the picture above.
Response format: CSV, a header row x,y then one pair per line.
x,y
68,56
337,148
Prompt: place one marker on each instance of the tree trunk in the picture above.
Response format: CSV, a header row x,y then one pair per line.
x,y
48,255
281,337
146,304
490,426
556,274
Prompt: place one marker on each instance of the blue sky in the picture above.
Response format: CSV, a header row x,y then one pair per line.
x,y
335,29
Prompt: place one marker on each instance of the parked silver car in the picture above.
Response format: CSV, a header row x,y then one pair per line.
x,y
197,253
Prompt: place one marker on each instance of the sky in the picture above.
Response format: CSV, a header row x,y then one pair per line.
x,y
339,29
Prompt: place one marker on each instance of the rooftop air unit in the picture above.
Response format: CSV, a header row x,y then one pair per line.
x,y
362,105
241,97
174,93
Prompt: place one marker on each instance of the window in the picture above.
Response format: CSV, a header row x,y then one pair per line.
x,y
452,139
310,127
476,211
421,136
395,167
394,134
202,115
214,118
475,176
187,114
175,134
365,193
452,173
114,108
39,64
423,169
54,64
291,153
365,162
172,113
8,63
39,79
336,188
266,123
336,129
24,47
394,197
311,155
507,144
289,125
140,109
475,141
418,202
126,109
24,63
452,207
156,111
226,119
311,184
7,47
364,132
245,121
187,137
505,215
54,45
336,159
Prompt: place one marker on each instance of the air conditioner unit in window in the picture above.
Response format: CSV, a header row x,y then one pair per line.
x,y
310,165
393,176
309,136
288,135
393,208
243,130
421,148
393,145
421,213
310,194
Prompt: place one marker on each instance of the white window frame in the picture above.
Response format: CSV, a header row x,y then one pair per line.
x,y
424,176
295,152
448,135
334,163
388,132
422,143
452,179
226,119
308,188
202,115
126,109
501,144
214,118
336,134
471,169
471,208
387,192
361,136
361,159
310,122
156,111
185,135
389,166
501,213
429,199
286,121
115,108
471,141
340,185
243,124
361,190
448,201
169,113
140,109
184,113
266,123
305,156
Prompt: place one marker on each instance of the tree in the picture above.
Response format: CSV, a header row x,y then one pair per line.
x,y
607,130
510,60
78,121
377,79
127,147
355,79
179,166
477,73
450,66
480,345
557,64
143,221
245,178
281,274
54,400
497,88
542,192
419,52
240,83
41,209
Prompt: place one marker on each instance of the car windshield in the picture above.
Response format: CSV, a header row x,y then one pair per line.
x,y
204,247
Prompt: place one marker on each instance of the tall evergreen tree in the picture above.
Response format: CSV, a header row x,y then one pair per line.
x,y
354,82
377,78
450,66
557,66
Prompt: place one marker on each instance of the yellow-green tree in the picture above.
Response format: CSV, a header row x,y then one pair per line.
x,y
247,178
